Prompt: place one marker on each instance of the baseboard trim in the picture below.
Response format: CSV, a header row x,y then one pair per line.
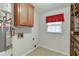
x,y
55,50
46,48
25,54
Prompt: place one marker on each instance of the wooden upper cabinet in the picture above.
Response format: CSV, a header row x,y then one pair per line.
x,y
30,15
23,14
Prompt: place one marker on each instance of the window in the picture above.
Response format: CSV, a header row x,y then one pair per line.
x,y
54,27
54,23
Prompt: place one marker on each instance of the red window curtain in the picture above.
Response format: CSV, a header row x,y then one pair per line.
x,y
55,18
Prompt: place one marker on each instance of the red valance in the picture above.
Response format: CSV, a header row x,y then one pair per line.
x,y
55,18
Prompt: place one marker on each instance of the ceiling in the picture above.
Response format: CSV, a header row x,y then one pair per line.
x,y
45,7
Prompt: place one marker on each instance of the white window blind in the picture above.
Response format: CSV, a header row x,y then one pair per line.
x,y
55,27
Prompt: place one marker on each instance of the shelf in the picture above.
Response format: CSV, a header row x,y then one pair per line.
x,y
76,37
74,41
5,20
76,5
77,51
77,15
77,45
76,10
6,12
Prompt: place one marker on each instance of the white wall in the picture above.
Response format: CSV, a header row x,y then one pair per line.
x,y
59,42
22,46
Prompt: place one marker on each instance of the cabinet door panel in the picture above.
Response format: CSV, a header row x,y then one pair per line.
x,y
16,14
30,15
23,13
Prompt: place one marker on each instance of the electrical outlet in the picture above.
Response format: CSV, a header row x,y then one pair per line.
x,y
33,39
35,46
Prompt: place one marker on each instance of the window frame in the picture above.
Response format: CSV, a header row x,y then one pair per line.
x,y
55,25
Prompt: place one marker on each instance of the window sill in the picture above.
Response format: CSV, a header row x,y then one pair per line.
x,y
55,32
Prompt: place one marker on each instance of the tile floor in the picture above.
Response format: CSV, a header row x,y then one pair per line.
x,y
44,52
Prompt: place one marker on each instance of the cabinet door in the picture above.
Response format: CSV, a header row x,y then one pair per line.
x,y
20,14
16,14
23,13
30,15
